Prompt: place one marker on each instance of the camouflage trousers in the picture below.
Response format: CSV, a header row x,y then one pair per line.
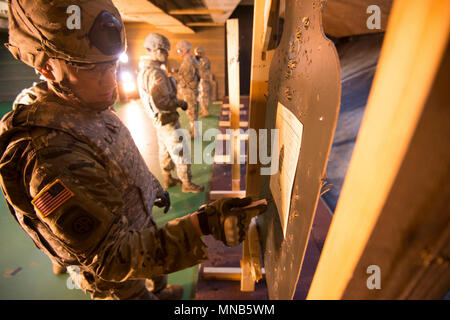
x,y
190,96
204,95
99,289
174,152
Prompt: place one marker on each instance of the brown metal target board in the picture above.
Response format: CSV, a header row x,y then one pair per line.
x,y
305,80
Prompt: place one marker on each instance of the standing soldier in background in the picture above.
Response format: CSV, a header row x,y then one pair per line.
x,y
159,96
71,173
204,67
188,78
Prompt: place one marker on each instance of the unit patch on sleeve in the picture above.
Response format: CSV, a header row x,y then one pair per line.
x,y
51,197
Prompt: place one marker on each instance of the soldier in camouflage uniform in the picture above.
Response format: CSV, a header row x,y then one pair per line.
x,y
71,173
204,66
188,78
159,95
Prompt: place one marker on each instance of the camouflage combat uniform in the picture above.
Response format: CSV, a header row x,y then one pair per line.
x,y
77,184
205,84
159,95
188,79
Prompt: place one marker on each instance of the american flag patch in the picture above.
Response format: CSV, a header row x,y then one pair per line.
x,y
51,197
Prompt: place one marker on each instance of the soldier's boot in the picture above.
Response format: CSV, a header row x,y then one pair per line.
x,y
189,187
170,292
170,181
58,269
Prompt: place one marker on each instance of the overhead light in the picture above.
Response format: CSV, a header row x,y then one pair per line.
x,y
124,58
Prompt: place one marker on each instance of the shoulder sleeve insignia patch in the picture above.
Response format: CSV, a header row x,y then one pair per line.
x,y
51,197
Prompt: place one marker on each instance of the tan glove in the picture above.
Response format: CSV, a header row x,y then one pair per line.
x,y
227,219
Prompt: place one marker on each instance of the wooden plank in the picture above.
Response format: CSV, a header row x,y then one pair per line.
x,y
393,209
227,112
195,11
251,258
247,282
223,137
258,92
220,194
234,93
145,11
270,24
304,78
227,106
227,6
225,273
257,114
205,24
230,273
228,124
267,29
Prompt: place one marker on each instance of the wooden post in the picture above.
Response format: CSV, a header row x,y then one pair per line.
x,y
393,208
261,60
234,95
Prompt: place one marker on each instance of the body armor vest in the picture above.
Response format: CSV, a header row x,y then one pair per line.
x,y
144,92
158,116
114,148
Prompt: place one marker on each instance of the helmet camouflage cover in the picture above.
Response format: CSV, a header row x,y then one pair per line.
x,y
40,30
199,51
183,45
155,41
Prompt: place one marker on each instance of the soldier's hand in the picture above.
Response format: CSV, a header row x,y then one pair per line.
x,y
227,219
183,105
163,201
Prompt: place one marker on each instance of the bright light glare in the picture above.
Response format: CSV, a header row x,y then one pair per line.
x,y
128,81
129,87
123,58
126,76
135,119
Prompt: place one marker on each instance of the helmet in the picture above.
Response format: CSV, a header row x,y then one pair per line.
x,y
183,45
155,41
199,51
43,29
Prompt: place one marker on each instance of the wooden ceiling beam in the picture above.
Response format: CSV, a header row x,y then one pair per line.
x,y
205,24
227,6
195,11
146,11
